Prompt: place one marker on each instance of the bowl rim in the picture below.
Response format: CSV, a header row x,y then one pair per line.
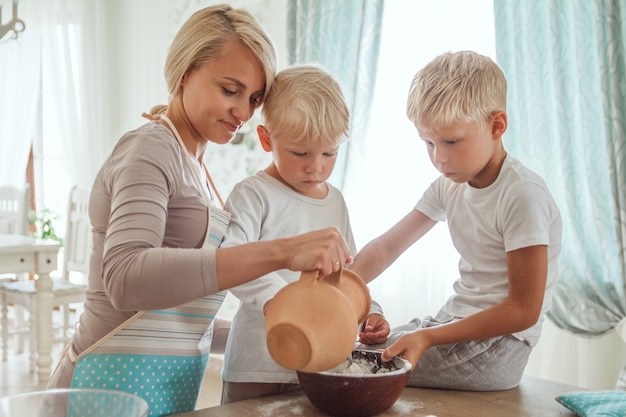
x,y
68,391
71,390
406,367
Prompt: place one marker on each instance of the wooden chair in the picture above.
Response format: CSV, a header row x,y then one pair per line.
x,y
76,252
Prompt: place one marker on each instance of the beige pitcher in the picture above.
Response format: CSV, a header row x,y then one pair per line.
x,y
311,324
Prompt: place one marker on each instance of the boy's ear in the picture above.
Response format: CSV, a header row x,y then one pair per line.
x,y
499,123
264,138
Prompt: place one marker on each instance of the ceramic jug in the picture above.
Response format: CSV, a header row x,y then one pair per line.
x,y
311,324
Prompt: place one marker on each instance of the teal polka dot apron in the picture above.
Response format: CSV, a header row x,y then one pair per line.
x,y
159,355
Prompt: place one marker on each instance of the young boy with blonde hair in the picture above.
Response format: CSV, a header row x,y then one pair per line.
x,y
503,222
305,121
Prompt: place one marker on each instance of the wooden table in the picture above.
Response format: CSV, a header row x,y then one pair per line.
x,y
533,398
19,254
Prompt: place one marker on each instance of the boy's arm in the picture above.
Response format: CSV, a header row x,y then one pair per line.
x,y
527,275
381,252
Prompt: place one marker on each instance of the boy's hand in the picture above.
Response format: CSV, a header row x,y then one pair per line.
x,y
411,347
375,330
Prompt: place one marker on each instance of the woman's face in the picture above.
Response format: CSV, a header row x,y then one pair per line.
x,y
222,94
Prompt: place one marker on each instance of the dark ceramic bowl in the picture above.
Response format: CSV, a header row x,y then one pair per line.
x,y
361,394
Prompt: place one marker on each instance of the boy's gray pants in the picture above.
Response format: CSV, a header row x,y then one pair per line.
x,y
493,364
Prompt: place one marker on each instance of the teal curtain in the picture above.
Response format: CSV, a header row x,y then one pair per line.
x,y
565,61
344,38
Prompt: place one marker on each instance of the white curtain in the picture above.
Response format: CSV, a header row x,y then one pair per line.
x,y
56,93
20,72
76,88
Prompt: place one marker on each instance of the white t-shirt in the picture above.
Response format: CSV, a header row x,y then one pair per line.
x,y
514,212
263,208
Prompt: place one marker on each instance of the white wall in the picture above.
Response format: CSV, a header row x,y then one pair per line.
x,y
143,33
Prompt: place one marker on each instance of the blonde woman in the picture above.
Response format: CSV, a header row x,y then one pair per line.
x,y
156,274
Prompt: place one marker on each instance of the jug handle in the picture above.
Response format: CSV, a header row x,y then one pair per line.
x,y
309,275
333,277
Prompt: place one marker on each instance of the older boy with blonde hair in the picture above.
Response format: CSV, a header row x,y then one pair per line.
x,y
305,121
502,220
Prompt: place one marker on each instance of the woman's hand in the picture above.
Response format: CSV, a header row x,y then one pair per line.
x,y
411,347
325,250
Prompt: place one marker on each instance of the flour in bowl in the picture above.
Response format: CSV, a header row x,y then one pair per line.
x,y
361,366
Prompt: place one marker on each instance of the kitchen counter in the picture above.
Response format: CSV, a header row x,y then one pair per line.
x,y
533,398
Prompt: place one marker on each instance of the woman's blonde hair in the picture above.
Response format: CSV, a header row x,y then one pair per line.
x,y
307,102
202,37
460,86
